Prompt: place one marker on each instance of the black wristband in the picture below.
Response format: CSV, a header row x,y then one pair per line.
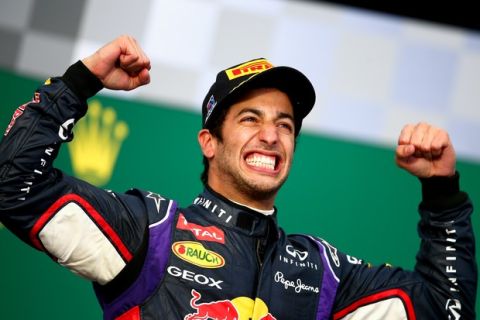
x,y
442,192
81,81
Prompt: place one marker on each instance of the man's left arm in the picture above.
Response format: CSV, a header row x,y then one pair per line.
x,y
443,284
446,259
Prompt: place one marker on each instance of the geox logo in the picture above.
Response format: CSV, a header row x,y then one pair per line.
x,y
98,139
251,67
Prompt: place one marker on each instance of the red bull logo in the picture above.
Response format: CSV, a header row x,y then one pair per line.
x,y
241,308
255,66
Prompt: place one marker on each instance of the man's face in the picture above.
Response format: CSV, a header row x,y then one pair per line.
x,y
254,157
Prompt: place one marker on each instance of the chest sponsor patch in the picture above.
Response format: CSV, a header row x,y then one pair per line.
x,y
202,233
194,277
238,308
294,284
195,253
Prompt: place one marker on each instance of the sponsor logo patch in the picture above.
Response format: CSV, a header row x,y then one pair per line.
x,y
248,68
19,112
301,255
195,253
297,285
194,277
210,233
210,106
235,309
453,308
15,116
297,258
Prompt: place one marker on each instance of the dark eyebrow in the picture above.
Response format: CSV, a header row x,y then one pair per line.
x,y
284,115
252,110
258,112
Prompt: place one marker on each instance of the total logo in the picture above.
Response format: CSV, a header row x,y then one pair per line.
x,y
240,308
195,253
194,277
202,233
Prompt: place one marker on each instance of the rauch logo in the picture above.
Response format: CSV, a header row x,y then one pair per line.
x,y
195,253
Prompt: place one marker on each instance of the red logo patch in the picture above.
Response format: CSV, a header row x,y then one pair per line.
x,y
15,116
18,113
200,232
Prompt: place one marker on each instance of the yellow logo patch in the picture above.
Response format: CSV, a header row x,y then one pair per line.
x,y
195,253
252,67
98,139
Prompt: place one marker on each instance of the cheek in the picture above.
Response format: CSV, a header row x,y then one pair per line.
x,y
289,145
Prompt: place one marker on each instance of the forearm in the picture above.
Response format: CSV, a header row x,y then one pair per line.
x,y
33,139
446,259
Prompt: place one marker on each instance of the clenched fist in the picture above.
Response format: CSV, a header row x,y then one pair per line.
x,y
120,64
425,151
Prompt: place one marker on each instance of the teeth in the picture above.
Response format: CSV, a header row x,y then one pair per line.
x,y
261,161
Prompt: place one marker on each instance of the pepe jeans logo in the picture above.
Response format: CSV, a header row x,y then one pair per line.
x,y
98,140
297,285
195,253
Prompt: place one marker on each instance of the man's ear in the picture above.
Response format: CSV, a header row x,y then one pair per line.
x,y
207,142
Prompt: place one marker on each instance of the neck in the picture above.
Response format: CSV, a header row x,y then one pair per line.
x,y
245,200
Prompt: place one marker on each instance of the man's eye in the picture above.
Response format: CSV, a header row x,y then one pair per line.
x,y
249,119
285,125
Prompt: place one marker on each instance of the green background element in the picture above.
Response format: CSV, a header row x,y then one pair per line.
x,y
351,194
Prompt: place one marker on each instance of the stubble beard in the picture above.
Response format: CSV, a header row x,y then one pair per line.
x,y
250,187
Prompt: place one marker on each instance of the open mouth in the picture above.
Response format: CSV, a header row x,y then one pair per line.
x,y
262,161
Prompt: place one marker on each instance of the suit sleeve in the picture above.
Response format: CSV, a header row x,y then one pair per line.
x,y
93,232
444,281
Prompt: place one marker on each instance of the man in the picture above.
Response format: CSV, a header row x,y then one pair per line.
x,y
224,257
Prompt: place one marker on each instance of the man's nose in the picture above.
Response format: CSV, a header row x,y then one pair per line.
x,y
268,134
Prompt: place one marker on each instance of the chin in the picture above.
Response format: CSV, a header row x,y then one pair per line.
x,y
265,188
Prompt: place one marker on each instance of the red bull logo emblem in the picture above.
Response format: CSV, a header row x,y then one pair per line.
x,y
241,308
252,67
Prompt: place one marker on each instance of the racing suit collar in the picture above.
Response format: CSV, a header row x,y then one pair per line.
x,y
233,215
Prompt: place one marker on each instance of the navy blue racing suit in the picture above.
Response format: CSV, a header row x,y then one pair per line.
x,y
148,258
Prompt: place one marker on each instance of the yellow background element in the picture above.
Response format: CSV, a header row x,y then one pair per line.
x,y
98,139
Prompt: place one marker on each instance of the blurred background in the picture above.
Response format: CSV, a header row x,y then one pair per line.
x,y
375,67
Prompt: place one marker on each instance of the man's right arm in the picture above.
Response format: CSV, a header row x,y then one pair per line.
x,y
79,225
